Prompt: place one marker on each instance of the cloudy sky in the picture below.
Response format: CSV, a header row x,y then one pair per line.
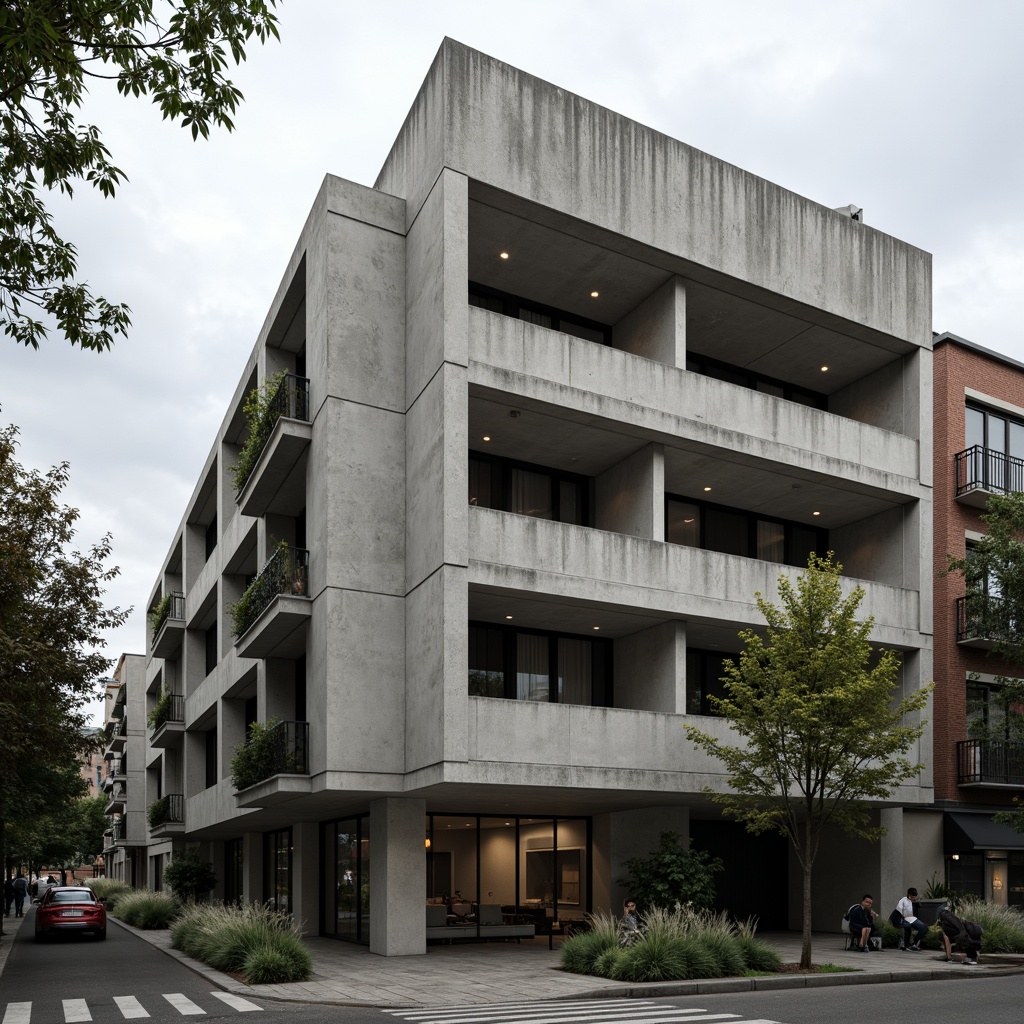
x,y
912,109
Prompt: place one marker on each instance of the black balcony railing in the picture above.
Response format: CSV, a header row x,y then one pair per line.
x,y
114,767
289,400
990,762
980,617
280,749
982,469
169,708
168,810
287,572
120,833
171,606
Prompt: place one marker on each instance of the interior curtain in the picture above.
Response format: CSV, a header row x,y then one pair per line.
x,y
531,494
574,671
532,667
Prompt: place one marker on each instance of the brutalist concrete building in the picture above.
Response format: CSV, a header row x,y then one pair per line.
x,y
547,405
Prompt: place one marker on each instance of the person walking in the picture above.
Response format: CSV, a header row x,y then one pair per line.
x,y
20,892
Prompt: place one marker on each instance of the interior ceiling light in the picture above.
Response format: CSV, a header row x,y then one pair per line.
x,y
815,513
824,369
597,627
487,437
594,295
707,488
508,616
503,255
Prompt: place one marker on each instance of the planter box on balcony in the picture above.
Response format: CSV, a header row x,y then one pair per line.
x,y
279,632
170,734
276,790
169,636
272,486
168,830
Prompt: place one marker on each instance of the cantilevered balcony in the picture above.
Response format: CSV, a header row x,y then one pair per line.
x,y
167,816
271,617
982,472
990,763
979,621
119,831
168,621
275,765
118,735
287,432
168,721
108,840
118,799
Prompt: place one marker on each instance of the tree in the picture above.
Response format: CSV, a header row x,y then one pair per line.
x,y
189,877
993,571
673,874
819,720
175,51
52,620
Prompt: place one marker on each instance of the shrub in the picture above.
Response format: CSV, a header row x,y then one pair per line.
x,y
758,955
158,614
147,910
605,962
190,878
700,962
653,958
674,874
110,890
259,757
161,709
727,953
1003,926
260,418
226,937
580,952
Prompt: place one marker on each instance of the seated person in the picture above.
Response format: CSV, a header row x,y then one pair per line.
x,y
961,936
911,922
862,922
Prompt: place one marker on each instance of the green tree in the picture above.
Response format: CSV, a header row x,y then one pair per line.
x,y
673,874
995,566
52,625
820,725
175,51
189,877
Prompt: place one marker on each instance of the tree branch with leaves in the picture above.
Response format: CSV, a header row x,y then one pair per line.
x,y
820,726
175,51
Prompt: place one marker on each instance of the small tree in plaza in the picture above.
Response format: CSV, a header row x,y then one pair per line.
x,y
673,874
819,724
189,877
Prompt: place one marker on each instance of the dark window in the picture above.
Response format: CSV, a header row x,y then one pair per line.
x,y
704,680
212,773
233,864
277,864
345,860
557,668
709,367
990,714
300,689
250,713
1001,466
699,524
537,313
211,649
528,490
211,537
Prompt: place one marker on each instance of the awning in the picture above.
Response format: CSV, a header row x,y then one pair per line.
x,y
967,831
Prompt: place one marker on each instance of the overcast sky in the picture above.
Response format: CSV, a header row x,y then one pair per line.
x,y
912,109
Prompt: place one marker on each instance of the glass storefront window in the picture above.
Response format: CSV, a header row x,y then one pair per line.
x,y
277,863
345,851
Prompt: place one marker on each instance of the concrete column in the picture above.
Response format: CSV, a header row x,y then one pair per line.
x,y
306,876
252,867
650,669
631,495
891,861
635,834
397,918
656,329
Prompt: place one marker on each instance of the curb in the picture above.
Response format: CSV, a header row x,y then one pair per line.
x,y
7,941
650,990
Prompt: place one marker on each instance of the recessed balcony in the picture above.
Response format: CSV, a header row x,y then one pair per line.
x,y
982,472
167,816
275,767
272,486
271,618
168,721
168,623
993,764
117,801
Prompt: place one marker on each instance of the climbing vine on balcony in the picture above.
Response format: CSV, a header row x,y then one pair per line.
x,y
261,413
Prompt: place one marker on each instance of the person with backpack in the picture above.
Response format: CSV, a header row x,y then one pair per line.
x,y
961,936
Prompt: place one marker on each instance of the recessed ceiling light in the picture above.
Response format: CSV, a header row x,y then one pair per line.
x,y
594,295
487,437
707,488
690,520
824,369
503,255
597,627
508,616
815,513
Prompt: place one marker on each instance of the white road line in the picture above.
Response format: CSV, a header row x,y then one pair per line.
x,y
130,1007
75,1011
236,1002
414,1013
182,1004
18,1013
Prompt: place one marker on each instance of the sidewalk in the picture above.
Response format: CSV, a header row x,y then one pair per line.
x,y
347,974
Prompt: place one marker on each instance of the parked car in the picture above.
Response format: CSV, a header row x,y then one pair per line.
x,y
70,908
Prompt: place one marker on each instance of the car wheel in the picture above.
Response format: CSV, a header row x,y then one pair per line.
x,y
102,934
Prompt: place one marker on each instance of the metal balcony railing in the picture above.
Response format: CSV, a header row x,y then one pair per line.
x,y
114,767
168,810
170,708
290,399
980,617
119,831
990,762
287,572
282,750
171,607
982,469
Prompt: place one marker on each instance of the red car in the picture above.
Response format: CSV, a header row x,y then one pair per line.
x,y
70,908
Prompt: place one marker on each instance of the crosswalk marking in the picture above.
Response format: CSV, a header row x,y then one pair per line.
x,y
236,1002
75,1011
183,1004
18,1013
130,1007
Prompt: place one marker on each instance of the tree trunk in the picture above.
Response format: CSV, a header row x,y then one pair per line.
x,y
805,948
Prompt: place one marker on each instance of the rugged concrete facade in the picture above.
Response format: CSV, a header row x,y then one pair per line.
x,y
537,297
